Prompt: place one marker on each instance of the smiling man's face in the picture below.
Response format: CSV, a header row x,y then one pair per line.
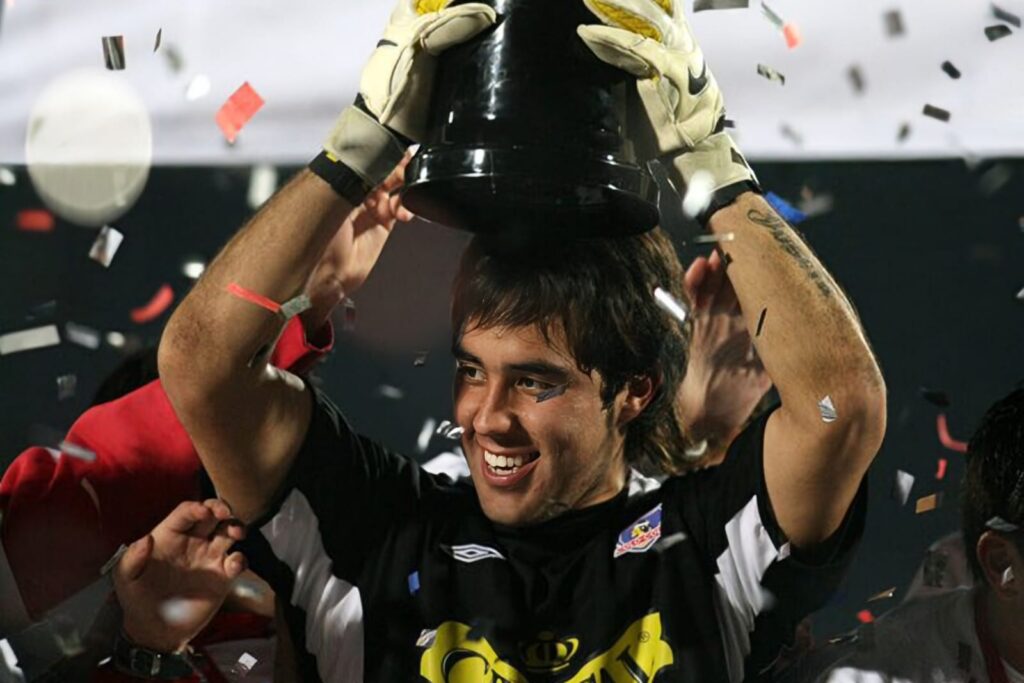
x,y
531,460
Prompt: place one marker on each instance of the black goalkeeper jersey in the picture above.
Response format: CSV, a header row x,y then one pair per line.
x,y
394,574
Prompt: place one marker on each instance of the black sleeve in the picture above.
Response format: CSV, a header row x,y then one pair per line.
x,y
764,586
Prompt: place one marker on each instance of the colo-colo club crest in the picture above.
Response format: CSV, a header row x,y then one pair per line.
x,y
639,536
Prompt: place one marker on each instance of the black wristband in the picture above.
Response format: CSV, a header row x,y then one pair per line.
x,y
140,662
725,196
346,182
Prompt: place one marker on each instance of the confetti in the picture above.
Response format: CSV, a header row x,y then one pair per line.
x,y
27,340
449,431
994,179
827,410
197,88
426,431
82,335
391,392
701,5
247,589
714,238
159,37
1003,15
760,322
262,185
951,70
865,616
791,32
940,473
244,665
772,17
1007,576
348,311
35,220
113,52
552,393
427,637
670,304
901,486
936,113
7,176
771,74
669,541
236,112
106,245
997,31
420,360
66,385
174,58
76,451
787,132
116,339
241,292
904,132
698,193
787,211
1020,294
883,595
935,397
927,503
1000,524
414,583
944,437
295,306
155,307
193,269
894,23
856,77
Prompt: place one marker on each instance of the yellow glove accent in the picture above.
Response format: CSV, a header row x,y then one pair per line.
x,y
613,15
428,6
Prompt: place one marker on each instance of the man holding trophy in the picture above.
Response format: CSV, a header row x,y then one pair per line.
x,y
562,560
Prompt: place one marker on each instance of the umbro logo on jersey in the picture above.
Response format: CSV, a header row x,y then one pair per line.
x,y
698,83
471,552
641,535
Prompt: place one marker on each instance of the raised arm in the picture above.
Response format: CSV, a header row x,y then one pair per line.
x,y
814,348
811,344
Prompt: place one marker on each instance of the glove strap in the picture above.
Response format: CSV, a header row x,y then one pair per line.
x,y
346,182
726,196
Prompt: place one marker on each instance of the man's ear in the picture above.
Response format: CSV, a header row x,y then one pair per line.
x,y
1002,565
639,391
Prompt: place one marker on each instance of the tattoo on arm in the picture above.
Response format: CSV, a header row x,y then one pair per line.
x,y
784,235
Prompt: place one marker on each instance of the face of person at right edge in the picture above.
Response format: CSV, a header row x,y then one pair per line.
x,y
530,460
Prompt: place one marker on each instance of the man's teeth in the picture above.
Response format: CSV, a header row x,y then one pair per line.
x,y
506,462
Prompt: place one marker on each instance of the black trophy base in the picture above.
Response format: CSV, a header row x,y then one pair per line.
x,y
529,191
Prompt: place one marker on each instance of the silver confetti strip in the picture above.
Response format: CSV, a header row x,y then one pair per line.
x,y
997,31
7,176
714,239
883,595
827,410
449,431
701,5
1003,15
1007,576
937,113
950,70
262,185
420,360
82,335
105,247
113,52
76,451
391,392
244,665
856,76
66,385
771,74
295,305
771,16
159,37
670,304
426,431
1000,524
27,340
901,486
894,23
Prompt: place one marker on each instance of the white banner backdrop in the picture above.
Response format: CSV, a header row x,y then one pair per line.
x,y
303,57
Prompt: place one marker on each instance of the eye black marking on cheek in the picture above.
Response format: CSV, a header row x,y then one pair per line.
x,y
552,393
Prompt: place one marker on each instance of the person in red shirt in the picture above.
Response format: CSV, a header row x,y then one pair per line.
x,y
63,517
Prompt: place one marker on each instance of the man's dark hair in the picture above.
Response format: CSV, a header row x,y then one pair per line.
x,y
994,483
136,370
601,291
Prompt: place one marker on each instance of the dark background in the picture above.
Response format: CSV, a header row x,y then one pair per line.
x,y
929,257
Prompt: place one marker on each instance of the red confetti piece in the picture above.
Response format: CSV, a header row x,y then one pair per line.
x,y
156,306
793,37
254,298
941,473
35,220
945,439
865,616
236,112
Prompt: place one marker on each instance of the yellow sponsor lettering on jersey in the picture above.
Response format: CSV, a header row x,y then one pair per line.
x,y
636,657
